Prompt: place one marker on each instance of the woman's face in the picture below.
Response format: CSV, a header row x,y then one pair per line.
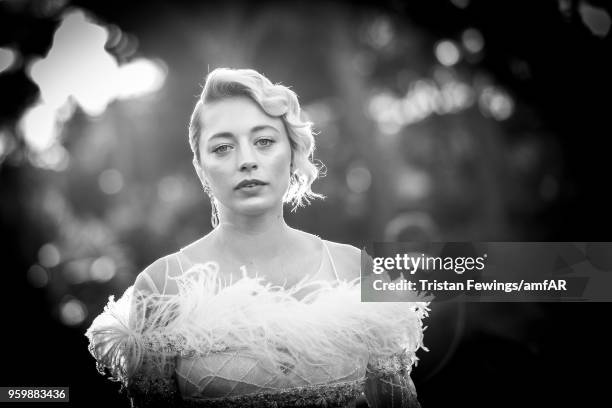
x,y
245,156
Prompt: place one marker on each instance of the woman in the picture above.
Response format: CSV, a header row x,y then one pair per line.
x,y
256,313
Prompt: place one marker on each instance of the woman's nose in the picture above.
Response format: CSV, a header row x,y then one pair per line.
x,y
247,160
248,166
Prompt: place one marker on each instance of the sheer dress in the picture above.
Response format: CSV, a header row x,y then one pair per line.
x,y
249,343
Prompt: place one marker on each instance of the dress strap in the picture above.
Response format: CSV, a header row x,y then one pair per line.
x,y
150,282
331,260
178,259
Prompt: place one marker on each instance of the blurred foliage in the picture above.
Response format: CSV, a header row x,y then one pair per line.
x,y
455,120
443,120
422,134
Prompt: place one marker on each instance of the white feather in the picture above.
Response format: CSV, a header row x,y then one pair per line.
x,y
329,325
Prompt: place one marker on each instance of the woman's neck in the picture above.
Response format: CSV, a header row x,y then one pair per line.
x,y
253,237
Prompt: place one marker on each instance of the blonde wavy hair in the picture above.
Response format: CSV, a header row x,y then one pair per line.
x,y
277,101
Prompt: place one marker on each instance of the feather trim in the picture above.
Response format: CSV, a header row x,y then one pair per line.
x,y
329,326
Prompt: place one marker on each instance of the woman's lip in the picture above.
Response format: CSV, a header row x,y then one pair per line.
x,y
250,184
250,188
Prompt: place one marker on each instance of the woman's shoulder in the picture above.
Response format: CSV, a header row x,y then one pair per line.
x,y
154,278
337,248
346,258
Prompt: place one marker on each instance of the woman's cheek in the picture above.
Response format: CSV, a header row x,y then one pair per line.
x,y
216,176
283,174
283,159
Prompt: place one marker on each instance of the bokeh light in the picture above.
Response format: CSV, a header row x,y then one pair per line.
x,y
447,53
56,158
38,276
424,98
39,127
358,179
496,103
77,271
595,18
72,312
110,181
412,184
140,77
7,58
460,3
79,71
103,269
380,32
90,77
472,40
414,226
49,255
7,144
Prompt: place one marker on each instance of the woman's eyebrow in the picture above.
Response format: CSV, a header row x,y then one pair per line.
x,y
224,135
255,129
264,127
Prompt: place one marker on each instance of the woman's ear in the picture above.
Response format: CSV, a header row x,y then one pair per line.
x,y
200,172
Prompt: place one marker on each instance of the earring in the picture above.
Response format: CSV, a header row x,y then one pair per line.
x,y
214,216
206,187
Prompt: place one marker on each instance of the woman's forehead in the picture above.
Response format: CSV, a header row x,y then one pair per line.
x,y
235,115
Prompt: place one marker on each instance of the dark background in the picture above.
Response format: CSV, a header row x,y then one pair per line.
x,y
506,141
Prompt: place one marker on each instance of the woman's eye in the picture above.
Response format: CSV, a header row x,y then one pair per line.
x,y
264,142
221,149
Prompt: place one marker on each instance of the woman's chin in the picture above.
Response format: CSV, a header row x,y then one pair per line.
x,y
256,207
